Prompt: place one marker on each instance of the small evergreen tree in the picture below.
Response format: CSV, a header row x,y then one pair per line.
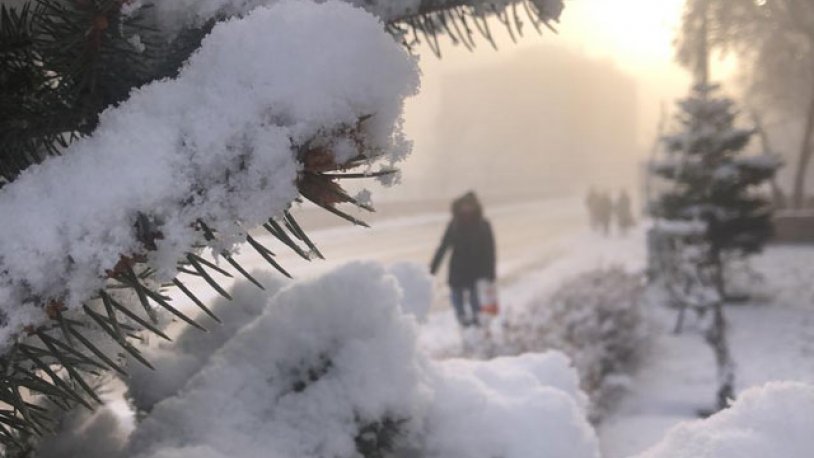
x,y
714,208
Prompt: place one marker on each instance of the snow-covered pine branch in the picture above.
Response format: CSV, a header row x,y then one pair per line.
x,y
223,143
185,125
412,21
178,14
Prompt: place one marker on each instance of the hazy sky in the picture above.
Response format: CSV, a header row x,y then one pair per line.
x,y
635,36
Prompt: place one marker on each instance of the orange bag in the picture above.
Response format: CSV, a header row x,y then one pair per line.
x,y
487,294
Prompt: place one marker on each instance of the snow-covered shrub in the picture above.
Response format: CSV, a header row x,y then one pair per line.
x,y
597,319
324,362
416,285
772,421
522,406
268,101
331,369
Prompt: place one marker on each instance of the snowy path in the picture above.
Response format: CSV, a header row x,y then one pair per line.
x,y
773,340
568,255
526,233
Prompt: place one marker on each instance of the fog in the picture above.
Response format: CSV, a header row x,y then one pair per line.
x,y
543,121
552,114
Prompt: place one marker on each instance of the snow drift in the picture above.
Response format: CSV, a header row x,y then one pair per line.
x,y
331,368
775,420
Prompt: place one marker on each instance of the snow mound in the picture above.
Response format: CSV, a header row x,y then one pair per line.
x,y
218,144
331,368
416,285
526,406
775,420
325,360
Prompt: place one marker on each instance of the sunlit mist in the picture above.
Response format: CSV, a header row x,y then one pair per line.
x,y
602,47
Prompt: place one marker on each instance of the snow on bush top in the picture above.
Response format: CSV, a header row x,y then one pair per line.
x,y
772,421
216,144
332,369
527,406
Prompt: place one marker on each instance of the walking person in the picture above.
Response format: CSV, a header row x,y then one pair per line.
x,y
623,213
469,236
604,210
592,205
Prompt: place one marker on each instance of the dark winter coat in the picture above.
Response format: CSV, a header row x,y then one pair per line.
x,y
473,252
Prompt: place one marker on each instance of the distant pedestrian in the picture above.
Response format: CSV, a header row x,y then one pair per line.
x,y
604,211
592,205
623,212
469,236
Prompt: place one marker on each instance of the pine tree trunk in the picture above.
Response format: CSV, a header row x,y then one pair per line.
x,y
716,338
804,158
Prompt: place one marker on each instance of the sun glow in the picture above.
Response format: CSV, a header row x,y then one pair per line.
x,y
637,34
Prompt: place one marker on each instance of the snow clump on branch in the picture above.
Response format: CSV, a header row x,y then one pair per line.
x,y
217,144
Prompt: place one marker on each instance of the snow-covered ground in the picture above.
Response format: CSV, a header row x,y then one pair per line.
x,y
541,245
563,257
772,339
528,233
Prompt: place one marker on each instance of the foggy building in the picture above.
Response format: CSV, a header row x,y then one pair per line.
x,y
547,120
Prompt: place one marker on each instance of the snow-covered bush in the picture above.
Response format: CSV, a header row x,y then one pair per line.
x,y
522,406
331,369
597,319
325,361
772,421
